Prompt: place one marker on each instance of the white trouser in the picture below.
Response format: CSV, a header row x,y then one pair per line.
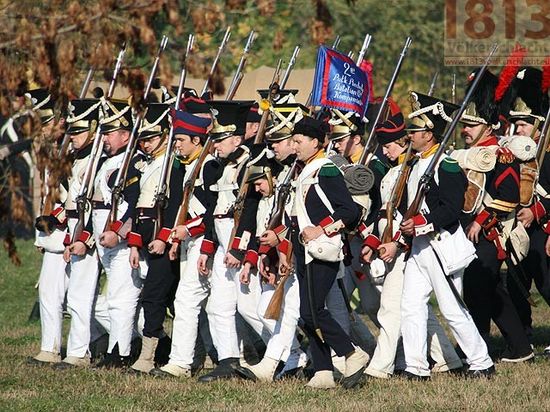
x,y
388,354
102,320
193,290
228,295
81,294
51,294
123,287
422,275
358,276
283,340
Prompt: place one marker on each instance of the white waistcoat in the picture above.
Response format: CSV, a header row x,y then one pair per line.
x,y
227,184
102,191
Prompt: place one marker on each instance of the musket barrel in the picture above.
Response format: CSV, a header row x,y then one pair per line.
x,y
364,48
458,114
389,90
291,64
123,170
118,65
238,73
336,42
160,196
430,170
543,140
223,44
432,84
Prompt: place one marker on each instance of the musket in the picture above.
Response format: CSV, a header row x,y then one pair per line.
x,y
82,198
543,140
189,185
83,90
453,101
336,42
290,66
236,81
371,144
273,309
364,48
49,201
432,84
453,90
160,196
265,105
423,184
217,59
396,196
514,267
116,192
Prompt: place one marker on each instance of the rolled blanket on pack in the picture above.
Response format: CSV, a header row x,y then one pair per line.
x,y
359,179
479,159
523,147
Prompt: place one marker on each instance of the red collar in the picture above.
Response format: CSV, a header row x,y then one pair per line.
x,y
491,141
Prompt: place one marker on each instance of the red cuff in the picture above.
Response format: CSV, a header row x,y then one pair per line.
x,y
251,257
326,222
115,226
283,246
372,241
279,230
363,230
263,249
164,234
482,217
235,244
397,236
538,210
134,239
84,236
197,230
67,240
59,214
546,228
420,220
208,247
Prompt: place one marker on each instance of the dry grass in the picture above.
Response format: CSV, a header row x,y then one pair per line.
x,y
23,387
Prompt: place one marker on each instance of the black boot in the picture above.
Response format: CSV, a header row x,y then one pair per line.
x,y
224,370
113,360
162,354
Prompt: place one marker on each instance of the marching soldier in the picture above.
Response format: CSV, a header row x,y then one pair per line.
x,y
51,230
227,293
267,175
490,203
527,114
322,209
81,293
123,282
347,137
201,170
388,357
437,237
147,239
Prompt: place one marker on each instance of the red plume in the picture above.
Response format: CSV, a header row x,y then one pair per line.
x,y
546,75
509,72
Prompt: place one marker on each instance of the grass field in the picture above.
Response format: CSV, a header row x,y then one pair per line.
x,y
22,387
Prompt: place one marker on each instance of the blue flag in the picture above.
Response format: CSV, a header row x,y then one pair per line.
x,y
338,83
